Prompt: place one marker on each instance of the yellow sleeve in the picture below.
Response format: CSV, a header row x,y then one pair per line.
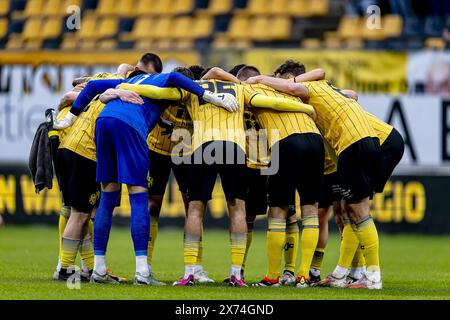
x,y
154,92
280,104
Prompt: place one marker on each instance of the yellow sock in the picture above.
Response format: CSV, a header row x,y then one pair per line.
x,y
87,253
317,259
308,244
200,252
69,252
291,246
358,260
349,245
249,242
61,226
276,238
367,234
238,243
152,239
191,248
91,228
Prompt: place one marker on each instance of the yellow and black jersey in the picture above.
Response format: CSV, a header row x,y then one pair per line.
x,y
257,150
382,129
80,136
286,123
340,119
163,144
212,123
331,159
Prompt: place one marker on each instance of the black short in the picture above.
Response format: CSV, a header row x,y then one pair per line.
x,y
301,165
160,166
256,198
330,190
208,161
79,187
391,153
358,168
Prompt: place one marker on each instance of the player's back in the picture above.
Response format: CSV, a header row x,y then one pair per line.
x,y
213,123
340,119
382,129
286,123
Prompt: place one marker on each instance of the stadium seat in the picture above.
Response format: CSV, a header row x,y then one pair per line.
x,y
354,44
299,8
162,28
69,42
260,29
280,27
318,7
182,27
107,27
255,7
108,44
332,40
34,44
51,28
141,30
435,43
143,44
144,8
162,7
88,27
312,43
202,27
182,6
54,8
238,28
32,29
278,7
14,43
392,25
4,7
3,27
349,27
108,7
217,7
32,8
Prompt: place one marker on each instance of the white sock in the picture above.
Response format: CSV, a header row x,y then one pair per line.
x,y
373,275
236,271
150,268
314,272
357,273
198,268
84,268
188,270
100,264
58,267
142,266
340,272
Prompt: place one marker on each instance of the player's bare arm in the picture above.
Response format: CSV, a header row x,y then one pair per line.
x,y
313,75
220,74
283,85
352,94
124,95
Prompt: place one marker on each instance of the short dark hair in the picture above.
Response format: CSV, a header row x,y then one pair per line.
x,y
197,71
234,71
135,73
247,72
185,72
290,67
152,59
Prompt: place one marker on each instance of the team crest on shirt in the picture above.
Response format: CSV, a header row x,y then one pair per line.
x,y
93,198
149,181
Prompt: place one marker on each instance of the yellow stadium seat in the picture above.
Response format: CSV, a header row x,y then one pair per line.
x,y
164,44
143,44
299,8
88,27
260,29
3,27
238,28
107,7
53,8
182,6
202,27
373,34
126,8
32,29
392,25
217,7
145,7
181,27
311,43
163,7
242,44
108,44
34,44
88,44
32,8
256,7
350,27
280,27
435,43
162,28
221,43
319,7
354,44
51,28
141,30
69,42
184,44
279,7
108,27
4,7
332,43
14,42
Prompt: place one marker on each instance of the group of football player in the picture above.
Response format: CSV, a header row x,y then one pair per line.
x,y
266,137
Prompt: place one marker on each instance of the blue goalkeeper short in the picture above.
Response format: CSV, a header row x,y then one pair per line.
x,y
122,153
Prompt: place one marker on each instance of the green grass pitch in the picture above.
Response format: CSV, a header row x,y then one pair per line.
x,y
414,267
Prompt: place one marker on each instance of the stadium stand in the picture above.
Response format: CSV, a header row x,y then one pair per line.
x,y
127,24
